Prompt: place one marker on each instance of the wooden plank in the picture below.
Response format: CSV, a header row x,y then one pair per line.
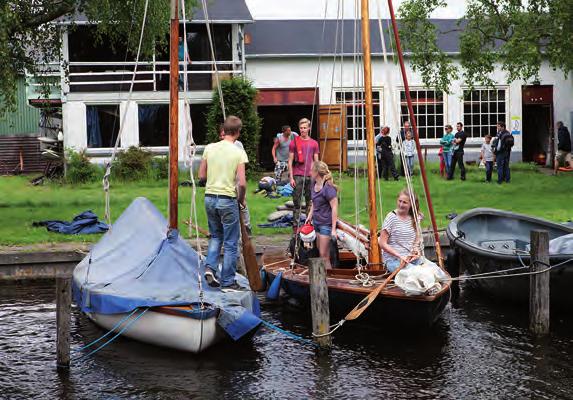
x,y
63,310
539,283
319,302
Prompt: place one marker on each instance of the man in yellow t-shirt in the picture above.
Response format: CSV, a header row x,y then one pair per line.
x,y
223,169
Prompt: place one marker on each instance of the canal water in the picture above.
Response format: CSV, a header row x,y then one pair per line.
x,y
479,350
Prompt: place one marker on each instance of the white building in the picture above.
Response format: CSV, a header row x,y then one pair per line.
x,y
299,71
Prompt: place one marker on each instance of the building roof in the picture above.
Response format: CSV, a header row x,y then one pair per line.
x,y
220,11
304,38
224,11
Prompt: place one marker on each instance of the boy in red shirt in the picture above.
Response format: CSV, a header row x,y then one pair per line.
x,y
303,151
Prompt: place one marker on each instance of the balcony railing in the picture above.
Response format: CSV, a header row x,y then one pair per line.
x,y
115,76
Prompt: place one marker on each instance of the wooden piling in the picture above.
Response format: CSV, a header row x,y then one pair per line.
x,y
63,310
539,283
319,301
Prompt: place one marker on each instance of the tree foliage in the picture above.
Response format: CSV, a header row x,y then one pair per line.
x,y
30,32
240,98
516,35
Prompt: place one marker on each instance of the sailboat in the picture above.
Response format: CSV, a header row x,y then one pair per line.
x,y
144,281
381,302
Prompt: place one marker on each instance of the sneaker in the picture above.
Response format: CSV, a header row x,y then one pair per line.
x,y
210,278
234,287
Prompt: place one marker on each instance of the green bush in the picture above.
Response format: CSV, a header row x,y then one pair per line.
x,y
160,167
79,169
133,164
240,98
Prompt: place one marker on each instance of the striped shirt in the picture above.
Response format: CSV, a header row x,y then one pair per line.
x,y
401,234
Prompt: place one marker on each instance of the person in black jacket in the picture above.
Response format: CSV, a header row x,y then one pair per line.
x,y
502,152
458,153
563,145
385,155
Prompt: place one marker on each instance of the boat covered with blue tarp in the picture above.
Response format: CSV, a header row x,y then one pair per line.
x,y
142,265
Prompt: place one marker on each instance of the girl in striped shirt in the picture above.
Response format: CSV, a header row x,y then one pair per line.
x,y
399,239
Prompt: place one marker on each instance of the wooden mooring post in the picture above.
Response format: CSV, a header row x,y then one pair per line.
x,y
63,311
319,301
539,283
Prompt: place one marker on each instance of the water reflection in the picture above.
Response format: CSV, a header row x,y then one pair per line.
x,y
479,349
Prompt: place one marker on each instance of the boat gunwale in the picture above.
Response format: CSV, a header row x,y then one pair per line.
x,y
348,288
457,241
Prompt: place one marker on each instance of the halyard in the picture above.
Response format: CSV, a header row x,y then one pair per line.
x,y
529,192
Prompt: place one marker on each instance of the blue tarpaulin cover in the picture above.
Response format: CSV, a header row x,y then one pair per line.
x,y
83,223
138,263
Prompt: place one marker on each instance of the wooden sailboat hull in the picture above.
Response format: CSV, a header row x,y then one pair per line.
x,y
391,307
163,329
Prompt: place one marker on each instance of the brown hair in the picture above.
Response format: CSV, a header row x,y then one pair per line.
x,y
406,193
321,169
232,125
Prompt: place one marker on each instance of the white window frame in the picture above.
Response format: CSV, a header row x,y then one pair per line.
x,y
95,151
439,128
380,90
492,129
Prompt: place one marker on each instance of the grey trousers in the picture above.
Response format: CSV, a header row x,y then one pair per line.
x,y
301,190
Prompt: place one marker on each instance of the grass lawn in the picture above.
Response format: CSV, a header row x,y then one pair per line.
x,y
530,192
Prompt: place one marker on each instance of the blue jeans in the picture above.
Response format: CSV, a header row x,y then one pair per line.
x,y
410,161
224,227
488,170
393,263
447,160
503,167
325,230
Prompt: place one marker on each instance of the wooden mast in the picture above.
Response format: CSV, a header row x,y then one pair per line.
x,y
416,136
173,113
374,249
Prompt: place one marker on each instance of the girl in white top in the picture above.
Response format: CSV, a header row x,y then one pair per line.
x,y
409,149
399,239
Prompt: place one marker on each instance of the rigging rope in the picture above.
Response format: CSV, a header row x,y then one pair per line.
x,y
407,172
212,48
297,223
190,151
105,180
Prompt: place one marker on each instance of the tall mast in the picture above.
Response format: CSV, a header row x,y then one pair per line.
x,y
173,113
416,136
374,249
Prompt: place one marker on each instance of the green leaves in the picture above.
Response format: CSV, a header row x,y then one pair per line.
x,y
240,98
29,38
514,35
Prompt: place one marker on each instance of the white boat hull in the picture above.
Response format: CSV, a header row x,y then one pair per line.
x,y
165,330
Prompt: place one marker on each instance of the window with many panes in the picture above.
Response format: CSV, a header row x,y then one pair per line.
x,y
429,110
355,116
483,109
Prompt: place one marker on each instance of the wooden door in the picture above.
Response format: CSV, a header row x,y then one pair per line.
x,y
332,137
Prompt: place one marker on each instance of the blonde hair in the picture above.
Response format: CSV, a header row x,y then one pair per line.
x,y
304,121
416,205
321,168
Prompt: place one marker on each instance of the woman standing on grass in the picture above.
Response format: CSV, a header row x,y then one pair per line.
x,y
399,239
324,208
